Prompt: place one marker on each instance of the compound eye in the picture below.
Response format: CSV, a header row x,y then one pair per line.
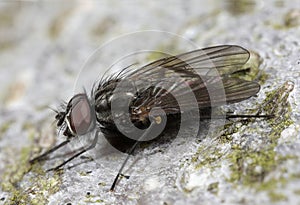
x,y
80,119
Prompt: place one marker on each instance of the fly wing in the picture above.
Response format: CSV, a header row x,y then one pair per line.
x,y
233,90
198,96
193,73
225,59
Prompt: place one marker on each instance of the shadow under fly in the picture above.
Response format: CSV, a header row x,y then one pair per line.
x,y
141,105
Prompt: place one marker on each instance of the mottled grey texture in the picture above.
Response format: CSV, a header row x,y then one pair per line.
x,y
45,45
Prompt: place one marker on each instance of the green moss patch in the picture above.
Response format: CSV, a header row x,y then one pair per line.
x,y
23,189
250,167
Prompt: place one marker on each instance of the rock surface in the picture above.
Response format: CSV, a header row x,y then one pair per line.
x,y
50,50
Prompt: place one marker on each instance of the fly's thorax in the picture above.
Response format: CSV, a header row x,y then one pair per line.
x,y
102,98
112,102
103,109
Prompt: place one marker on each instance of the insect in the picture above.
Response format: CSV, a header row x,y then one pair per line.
x,y
129,106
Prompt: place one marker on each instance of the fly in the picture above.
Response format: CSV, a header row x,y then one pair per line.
x,y
138,105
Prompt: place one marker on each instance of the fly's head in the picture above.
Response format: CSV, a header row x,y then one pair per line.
x,y
78,117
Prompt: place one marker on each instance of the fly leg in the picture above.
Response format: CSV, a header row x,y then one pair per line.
x,y
77,155
227,117
249,116
129,154
43,156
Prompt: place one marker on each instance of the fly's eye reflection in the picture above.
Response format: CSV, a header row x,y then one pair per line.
x,y
79,119
184,69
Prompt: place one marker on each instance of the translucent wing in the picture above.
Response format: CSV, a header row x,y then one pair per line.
x,y
198,69
226,59
236,90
